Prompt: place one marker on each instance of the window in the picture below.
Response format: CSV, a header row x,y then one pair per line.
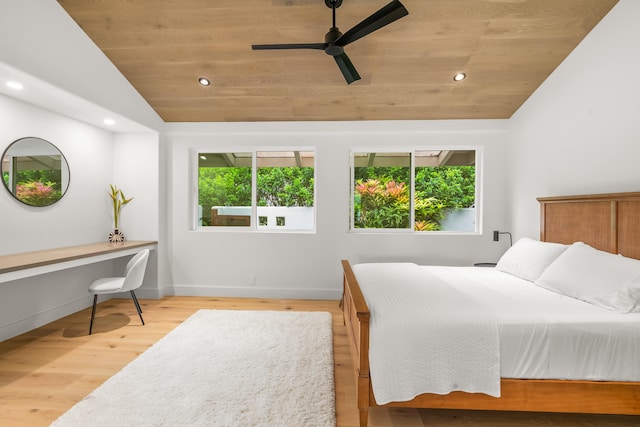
x,y
419,190
263,190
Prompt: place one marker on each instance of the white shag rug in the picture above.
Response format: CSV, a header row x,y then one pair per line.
x,y
223,368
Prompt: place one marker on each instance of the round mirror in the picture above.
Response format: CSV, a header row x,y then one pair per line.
x,y
35,172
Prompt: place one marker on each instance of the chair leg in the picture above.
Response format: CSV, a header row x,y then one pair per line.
x,y
93,313
135,301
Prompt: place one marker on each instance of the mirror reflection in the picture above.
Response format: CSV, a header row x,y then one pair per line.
x,y
35,172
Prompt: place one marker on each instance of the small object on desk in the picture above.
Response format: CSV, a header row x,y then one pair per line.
x,y
116,236
484,264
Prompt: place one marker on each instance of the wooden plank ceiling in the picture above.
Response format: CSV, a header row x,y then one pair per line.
x,y
506,47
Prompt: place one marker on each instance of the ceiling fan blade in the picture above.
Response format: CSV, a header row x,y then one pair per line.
x,y
348,70
319,46
385,16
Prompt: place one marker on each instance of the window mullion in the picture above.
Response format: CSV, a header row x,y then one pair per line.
x,y
412,210
254,190
352,191
195,205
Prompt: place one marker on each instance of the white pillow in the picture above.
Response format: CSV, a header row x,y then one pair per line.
x,y
528,258
598,277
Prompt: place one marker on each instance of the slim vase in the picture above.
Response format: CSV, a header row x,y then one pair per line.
x,y
116,236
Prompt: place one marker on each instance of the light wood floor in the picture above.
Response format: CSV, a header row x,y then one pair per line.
x,y
46,371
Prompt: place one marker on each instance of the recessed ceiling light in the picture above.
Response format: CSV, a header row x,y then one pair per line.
x,y
459,77
109,122
204,81
15,85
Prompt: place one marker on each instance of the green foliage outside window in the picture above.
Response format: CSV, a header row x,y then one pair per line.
x,y
285,186
381,193
276,186
381,198
453,186
220,186
223,186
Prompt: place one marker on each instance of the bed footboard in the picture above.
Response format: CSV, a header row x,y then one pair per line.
x,y
356,319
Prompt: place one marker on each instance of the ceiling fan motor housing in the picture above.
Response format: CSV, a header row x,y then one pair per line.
x,y
329,38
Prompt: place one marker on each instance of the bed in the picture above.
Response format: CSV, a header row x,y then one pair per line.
x,y
604,222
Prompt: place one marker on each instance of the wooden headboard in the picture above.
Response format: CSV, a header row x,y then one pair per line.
x,y
609,222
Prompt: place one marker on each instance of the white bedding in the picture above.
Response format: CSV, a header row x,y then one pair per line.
x,y
542,334
426,336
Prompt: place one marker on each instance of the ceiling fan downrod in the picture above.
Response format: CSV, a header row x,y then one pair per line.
x,y
334,33
333,5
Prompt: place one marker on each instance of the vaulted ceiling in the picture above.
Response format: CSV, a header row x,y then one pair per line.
x,y
507,48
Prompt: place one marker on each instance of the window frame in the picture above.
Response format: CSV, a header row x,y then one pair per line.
x,y
254,222
411,150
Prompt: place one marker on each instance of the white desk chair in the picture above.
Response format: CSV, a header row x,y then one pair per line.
x,y
134,273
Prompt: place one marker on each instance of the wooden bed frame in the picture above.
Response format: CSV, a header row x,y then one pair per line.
x,y
609,222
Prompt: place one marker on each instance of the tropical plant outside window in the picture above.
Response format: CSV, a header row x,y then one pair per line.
x,y
265,190
423,190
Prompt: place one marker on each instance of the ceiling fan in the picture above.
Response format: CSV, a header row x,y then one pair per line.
x,y
335,41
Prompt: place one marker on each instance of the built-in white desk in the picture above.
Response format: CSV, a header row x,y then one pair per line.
x,y
27,264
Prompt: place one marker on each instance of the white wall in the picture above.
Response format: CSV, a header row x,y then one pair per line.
x,y
308,265
82,216
136,171
63,71
579,133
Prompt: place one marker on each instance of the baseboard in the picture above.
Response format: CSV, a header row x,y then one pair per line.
x,y
153,293
36,320
256,292
49,315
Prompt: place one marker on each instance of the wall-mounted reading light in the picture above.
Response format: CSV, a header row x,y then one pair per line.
x,y
496,236
204,81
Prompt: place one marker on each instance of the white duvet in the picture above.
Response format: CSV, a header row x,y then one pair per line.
x,y
424,339
426,336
